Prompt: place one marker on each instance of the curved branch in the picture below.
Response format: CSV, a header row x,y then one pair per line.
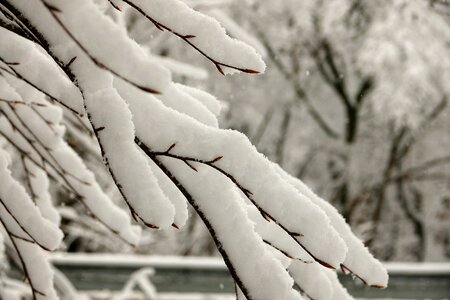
x,y
65,69
36,139
16,74
187,38
20,28
245,191
302,291
28,176
285,253
205,220
62,179
54,12
22,262
346,270
21,226
133,211
20,102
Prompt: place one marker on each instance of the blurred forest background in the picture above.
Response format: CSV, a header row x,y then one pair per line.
x,y
355,101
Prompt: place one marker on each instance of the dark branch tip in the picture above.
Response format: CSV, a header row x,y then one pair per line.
x,y
216,159
325,264
71,61
190,165
250,71
97,130
219,68
149,90
377,286
51,7
171,147
296,234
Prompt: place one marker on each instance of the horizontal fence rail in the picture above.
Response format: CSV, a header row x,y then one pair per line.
x,y
90,272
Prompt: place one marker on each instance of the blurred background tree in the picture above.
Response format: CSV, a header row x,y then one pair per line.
x,y
361,113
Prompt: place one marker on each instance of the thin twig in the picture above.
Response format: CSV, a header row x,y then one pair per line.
x,y
13,72
285,253
26,272
202,215
245,191
187,38
54,12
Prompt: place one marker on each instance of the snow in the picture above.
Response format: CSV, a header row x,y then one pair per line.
x,y
138,68
139,280
196,296
312,280
135,260
35,116
182,101
318,285
358,259
173,194
213,263
38,269
339,292
39,185
181,68
12,289
203,33
276,236
161,144
236,31
208,100
129,168
113,126
38,69
171,296
243,250
18,212
427,268
28,232
59,161
254,172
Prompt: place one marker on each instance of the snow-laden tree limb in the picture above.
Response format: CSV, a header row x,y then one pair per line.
x,y
161,144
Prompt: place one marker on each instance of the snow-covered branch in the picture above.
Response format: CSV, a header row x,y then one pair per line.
x,y
161,144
